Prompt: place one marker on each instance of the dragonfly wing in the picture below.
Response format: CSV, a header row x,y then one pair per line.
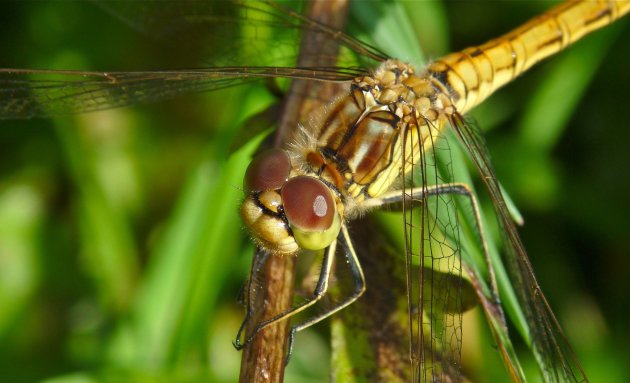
x,y
237,42
42,93
436,283
377,323
238,32
551,349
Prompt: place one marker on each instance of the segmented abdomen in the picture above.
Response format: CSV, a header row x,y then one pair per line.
x,y
475,73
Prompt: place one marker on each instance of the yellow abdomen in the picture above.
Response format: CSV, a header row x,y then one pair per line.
x,y
473,74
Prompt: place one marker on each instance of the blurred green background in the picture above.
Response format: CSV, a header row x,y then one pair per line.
x,y
121,249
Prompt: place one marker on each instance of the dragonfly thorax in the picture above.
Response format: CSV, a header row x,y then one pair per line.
x,y
367,139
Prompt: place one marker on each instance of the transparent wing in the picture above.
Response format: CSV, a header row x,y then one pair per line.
x,y
554,355
40,93
377,322
237,42
238,32
433,263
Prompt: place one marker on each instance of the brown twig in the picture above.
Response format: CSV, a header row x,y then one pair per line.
x,y
264,358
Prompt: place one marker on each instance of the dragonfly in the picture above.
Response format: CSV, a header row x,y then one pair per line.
x,y
441,93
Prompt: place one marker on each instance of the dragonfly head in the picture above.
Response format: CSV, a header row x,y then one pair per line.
x,y
287,212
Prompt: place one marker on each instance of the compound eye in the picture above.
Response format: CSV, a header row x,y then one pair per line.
x,y
311,212
269,170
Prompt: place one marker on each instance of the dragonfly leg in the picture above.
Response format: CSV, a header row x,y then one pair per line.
x,y
260,257
358,280
318,293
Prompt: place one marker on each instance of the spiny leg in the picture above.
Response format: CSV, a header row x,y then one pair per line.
x,y
260,257
358,280
318,293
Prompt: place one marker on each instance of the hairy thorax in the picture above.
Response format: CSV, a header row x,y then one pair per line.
x,y
368,138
